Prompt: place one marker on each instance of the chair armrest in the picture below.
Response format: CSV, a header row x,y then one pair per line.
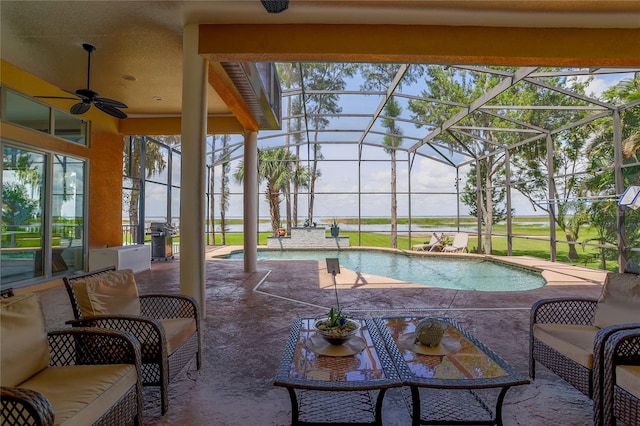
x,y
163,306
148,331
578,311
90,346
623,346
620,345
25,407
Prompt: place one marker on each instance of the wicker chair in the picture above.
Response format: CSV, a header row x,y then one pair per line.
x,y
567,335
619,391
167,326
42,371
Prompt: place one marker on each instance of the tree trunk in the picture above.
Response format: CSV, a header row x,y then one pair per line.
x,y
312,185
223,224
287,197
274,207
295,187
134,209
394,202
212,205
573,253
488,213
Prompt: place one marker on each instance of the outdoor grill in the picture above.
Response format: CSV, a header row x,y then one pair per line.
x,y
161,240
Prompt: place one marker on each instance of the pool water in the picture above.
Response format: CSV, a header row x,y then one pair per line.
x,y
444,272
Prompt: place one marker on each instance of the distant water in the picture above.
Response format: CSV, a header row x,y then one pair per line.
x,y
443,272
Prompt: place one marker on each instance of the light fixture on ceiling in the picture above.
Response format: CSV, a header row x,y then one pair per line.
x,y
275,6
129,77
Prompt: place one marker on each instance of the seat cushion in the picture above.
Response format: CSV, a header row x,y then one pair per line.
x,y
628,378
619,302
177,330
112,292
81,394
24,348
573,341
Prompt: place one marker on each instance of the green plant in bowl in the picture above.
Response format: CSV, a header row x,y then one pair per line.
x,y
336,328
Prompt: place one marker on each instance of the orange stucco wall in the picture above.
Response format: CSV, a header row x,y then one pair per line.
x,y
104,155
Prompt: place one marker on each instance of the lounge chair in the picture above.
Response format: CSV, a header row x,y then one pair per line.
x,y
459,244
569,335
166,325
434,243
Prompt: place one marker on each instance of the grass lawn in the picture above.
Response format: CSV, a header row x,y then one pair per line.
x,y
534,227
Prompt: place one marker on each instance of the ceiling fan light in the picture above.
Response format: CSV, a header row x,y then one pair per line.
x,y
275,6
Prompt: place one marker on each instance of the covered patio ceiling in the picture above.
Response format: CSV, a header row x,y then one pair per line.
x,y
139,44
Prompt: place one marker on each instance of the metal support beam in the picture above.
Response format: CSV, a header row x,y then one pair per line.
x,y
479,202
620,217
496,90
507,173
551,185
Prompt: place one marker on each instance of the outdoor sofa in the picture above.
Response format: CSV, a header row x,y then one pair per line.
x,y
78,376
568,335
166,325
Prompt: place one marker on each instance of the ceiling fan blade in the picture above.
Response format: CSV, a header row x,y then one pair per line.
x,y
70,92
110,102
80,108
57,97
110,110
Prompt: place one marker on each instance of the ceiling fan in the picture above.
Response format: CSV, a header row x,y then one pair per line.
x,y
88,97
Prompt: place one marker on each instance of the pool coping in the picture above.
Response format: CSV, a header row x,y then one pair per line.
x,y
555,273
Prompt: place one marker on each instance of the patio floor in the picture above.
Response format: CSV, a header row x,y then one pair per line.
x,y
248,316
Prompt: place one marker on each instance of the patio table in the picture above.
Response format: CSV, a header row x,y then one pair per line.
x,y
336,389
453,383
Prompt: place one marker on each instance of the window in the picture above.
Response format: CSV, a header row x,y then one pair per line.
x,y
150,185
35,244
26,112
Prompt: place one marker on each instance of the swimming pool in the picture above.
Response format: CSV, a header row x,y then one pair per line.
x,y
437,271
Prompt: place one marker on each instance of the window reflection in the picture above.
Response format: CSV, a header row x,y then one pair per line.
x,y
25,112
67,215
22,215
70,128
27,250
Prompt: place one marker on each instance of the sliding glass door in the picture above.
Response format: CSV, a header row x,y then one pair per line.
x,y
42,215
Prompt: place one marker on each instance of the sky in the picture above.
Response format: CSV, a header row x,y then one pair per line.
x,y
339,185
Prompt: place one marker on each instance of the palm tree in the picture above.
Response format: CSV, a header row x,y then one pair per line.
x,y
276,167
289,78
326,78
379,77
154,162
390,143
223,160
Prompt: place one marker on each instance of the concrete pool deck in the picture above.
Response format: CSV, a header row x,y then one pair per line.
x,y
248,317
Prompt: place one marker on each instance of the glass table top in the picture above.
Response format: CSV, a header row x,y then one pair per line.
x,y
306,365
459,361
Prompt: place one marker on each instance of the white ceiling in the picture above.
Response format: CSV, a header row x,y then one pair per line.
x,y
143,39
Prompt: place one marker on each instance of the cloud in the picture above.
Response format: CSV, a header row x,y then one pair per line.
x,y
599,84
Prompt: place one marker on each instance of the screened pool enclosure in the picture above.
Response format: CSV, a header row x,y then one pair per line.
x,y
512,155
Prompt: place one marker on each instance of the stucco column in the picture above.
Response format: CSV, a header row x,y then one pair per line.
x,y
193,180
250,201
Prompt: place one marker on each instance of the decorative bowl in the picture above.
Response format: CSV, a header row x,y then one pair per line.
x,y
429,332
336,335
